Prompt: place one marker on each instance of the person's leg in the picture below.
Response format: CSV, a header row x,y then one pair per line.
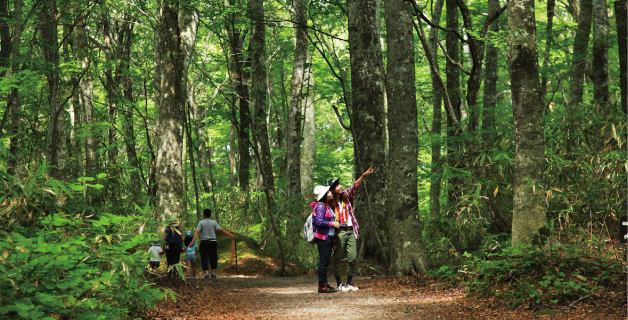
x,y
189,264
351,255
204,250
337,257
324,255
170,256
213,256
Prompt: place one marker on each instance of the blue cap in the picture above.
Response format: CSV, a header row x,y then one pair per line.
x,y
189,234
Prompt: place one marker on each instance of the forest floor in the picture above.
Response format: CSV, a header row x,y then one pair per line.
x,y
244,297
252,291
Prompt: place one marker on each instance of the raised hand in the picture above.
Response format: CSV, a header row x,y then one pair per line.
x,y
369,171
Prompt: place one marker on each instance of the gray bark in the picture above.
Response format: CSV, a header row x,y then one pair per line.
x,y
437,118
529,157
14,97
238,65
50,50
621,11
293,135
599,62
490,81
257,49
453,91
367,122
405,228
308,151
548,45
580,52
169,132
86,85
129,136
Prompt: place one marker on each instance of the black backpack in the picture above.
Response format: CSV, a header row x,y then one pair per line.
x,y
174,235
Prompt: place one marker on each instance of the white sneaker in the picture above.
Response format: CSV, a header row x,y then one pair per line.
x,y
343,288
351,287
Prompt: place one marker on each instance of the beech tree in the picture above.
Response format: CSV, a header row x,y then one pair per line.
x,y
529,158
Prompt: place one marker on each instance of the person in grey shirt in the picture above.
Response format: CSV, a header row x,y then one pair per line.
x,y
209,245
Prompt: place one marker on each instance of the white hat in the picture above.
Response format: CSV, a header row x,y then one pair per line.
x,y
320,192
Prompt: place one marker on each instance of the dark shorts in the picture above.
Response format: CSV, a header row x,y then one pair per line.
x,y
190,257
154,264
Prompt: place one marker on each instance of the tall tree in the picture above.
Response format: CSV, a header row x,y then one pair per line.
x,y
490,80
599,61
293,136
14,98
437,118
529,157
453,90
368,118
128,125
622,33
50,49
548,44
240,73
83,53
405,234
169,170
580,52
308,151
257,48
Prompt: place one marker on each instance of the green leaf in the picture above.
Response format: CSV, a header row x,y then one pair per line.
x,y
514,304
102,175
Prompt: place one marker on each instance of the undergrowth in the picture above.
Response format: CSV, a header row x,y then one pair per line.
x,y
549,274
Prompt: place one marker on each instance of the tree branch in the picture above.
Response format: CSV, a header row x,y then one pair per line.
x,y
342,124
419,13
451,60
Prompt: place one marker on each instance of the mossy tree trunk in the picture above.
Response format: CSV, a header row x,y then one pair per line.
x,y
529,159
404,225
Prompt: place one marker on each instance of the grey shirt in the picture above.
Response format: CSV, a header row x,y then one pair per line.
x,y
207,229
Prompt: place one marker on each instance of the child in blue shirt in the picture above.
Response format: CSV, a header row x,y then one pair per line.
x,y
190,254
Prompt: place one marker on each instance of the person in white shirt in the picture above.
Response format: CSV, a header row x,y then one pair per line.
x,y
155,250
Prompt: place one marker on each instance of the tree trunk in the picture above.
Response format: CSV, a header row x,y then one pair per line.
x,y
236,47
50,50
86,85
580,52
622,32
490,81
169,169
600,54
257,47
5,38
437,118
529,157
14,97
308,152
402,199
368,120
293,136
548,45
129,134
453,91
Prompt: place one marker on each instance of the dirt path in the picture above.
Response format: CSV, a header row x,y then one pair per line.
x,y
297,298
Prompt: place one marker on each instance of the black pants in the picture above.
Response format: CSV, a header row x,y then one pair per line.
x,y
209,254
324,257
173,254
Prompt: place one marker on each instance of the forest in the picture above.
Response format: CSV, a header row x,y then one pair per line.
x,y
496,131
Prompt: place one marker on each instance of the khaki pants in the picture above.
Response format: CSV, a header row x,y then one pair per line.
x,y
345,244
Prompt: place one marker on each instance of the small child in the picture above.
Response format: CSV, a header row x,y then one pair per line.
x,y
155,249
190,254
